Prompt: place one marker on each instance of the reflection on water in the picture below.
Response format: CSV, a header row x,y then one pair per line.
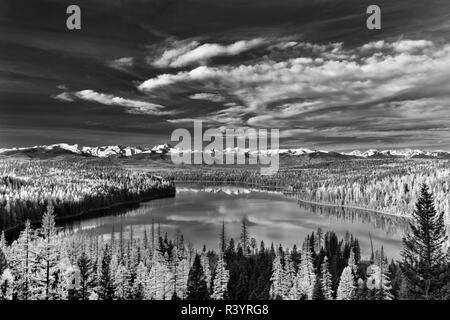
x,y
199,211
392,225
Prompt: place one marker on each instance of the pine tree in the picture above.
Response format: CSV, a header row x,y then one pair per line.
x,y
424,259
180,271
22,259
106,284
325,280
3,248
86,275
305,280
140,283
276,280
382,279
206,269
245,237
346,286
3,262
221,278
122,283
288,276
223,238
6,285
196,288
48,253
160,286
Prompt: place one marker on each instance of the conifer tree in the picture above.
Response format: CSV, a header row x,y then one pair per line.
x,y
3,246
160,286
48,252
306,277
196,287
223,238
276,280
383,288
106,281
6,285
122,285
3,261
288,276
86,275
22,259
206,268
325,280
221,278
140,283
346,286
245,237
424,259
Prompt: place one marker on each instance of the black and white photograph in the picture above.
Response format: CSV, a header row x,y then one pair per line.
x,y
201,151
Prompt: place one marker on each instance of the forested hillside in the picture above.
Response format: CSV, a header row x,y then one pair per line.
x,y
27,187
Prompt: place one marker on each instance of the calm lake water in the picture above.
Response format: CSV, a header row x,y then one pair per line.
x,y
198,211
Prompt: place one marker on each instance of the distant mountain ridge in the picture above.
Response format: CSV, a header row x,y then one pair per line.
x,y
166,149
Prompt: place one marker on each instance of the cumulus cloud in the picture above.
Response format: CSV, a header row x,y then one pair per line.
x,y
132,106
328,86
195,53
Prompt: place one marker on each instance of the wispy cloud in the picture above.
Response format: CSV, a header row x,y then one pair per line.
x,y
64,96
122,63
130,105
213,97
184,54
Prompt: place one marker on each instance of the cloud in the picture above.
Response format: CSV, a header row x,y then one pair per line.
x,y
132,106
64,96
196,53
122,63
310,87
213,97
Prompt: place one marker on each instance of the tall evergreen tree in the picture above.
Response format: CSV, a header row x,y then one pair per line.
x,y
276,280
424,259
325,280
106,281
86,275
346,288
223,238
6,285
196,288
221,278
3,261
245,237
48,252
206,268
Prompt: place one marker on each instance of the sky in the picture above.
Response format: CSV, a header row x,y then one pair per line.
x,y
139,69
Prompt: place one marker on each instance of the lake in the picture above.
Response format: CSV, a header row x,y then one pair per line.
x,y
198,211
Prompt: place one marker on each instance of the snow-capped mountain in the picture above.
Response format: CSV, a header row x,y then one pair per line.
x,y
107,151
165,149
400,153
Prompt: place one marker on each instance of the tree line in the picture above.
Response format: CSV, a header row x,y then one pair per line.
x,y
42,264
28,187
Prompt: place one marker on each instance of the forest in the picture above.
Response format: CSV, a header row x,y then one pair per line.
x,y
43,264
72,188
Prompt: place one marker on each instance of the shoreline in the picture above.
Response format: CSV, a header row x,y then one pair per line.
x,y
13,232
284,191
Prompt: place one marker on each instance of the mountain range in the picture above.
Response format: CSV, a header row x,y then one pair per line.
x,y
61,149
